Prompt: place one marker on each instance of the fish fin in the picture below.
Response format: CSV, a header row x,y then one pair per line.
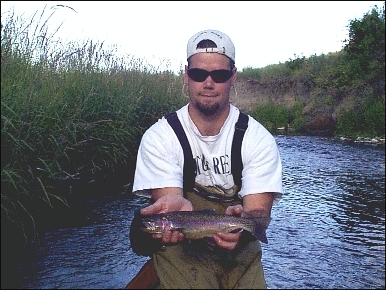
x,y
261,235
259,227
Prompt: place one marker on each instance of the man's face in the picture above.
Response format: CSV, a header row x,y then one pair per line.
x,y
207,96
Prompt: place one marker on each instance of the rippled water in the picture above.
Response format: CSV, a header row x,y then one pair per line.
x,y
328,231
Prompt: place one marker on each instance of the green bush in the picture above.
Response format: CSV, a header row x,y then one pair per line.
x,y
271,115
367,120
296,119
348,124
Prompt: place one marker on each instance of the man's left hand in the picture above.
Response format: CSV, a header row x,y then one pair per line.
x,y
229,241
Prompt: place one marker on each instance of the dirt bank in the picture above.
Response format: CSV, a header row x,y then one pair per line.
x,y
319,116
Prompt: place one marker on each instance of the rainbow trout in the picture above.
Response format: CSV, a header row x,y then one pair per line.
x,y
205,223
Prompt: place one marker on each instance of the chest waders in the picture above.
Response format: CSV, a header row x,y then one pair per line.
x,y
183,265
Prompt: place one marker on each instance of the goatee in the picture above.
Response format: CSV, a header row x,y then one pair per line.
x,y
208,110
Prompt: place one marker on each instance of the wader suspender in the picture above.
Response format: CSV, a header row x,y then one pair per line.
x,y
237,164
189,163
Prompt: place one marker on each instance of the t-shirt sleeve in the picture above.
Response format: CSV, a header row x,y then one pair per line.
x,y
262,171
158,163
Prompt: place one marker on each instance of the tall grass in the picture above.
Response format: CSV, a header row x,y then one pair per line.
x,y
70,113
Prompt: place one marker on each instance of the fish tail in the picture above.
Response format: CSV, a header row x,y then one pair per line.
x,y
260,234
260,225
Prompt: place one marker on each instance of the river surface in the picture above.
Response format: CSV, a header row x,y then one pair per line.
x,y
328,231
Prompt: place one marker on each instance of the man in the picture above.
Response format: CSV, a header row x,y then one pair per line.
x,y
209,122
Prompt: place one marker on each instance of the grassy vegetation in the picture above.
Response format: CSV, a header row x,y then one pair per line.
x,y
73,114
70,113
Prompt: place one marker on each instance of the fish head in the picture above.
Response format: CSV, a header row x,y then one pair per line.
x,y
155,224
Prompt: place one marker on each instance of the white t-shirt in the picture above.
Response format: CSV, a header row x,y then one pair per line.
x,y
160,159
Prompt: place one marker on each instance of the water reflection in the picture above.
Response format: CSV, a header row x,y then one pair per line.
x,y
327,232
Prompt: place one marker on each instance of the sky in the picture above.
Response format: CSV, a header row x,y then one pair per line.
x,y
263,32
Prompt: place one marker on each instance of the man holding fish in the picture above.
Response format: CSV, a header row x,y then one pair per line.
x,y
217,245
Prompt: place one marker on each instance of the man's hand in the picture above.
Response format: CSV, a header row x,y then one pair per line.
x,y
229,241
253,205
167,203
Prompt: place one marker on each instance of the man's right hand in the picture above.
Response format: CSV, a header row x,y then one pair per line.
x,y
167,203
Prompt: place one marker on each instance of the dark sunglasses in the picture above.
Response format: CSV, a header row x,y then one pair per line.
x,y
218,76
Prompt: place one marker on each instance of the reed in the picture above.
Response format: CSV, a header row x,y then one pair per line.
x,y
70,113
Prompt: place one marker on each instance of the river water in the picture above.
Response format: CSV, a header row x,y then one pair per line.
x,y
328,231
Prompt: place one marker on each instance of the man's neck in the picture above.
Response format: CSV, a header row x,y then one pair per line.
x,y
208,125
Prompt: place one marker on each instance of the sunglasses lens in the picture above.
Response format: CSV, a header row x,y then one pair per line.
x,y
218,76
198,75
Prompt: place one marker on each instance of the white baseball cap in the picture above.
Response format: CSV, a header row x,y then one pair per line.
x,y
223,42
